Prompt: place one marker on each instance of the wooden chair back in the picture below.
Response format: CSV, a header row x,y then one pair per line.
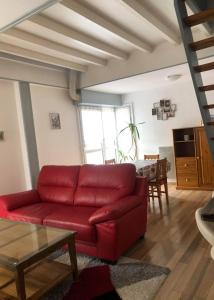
x,y
151,156
110,161
161,169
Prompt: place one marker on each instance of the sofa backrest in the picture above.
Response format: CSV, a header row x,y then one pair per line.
x,y
58,183
99,185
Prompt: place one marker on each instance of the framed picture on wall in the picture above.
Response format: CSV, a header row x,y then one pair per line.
x,y
167,103
55,120
165,116
154,111
173,107
162,103
156,104
159,114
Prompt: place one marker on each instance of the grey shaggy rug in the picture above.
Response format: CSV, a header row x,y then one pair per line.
x,y
133,279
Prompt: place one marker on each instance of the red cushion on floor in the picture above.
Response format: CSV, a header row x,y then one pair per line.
x,y
74,218
34,213
93,283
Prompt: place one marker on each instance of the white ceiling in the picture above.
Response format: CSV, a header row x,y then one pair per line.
x,y
12,11
91,31
150,80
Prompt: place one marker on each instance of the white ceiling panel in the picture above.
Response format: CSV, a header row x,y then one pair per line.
x,y
13,11
80,23
30,46
118,11
56,37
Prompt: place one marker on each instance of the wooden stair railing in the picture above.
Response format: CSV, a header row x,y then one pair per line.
x,y
191,47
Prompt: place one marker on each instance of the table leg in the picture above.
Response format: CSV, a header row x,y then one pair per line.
x,y
73,257
20,284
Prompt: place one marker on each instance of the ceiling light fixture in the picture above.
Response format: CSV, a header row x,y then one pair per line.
x,y
173,77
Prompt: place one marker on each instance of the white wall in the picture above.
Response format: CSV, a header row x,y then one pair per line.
x,y
12,177
55,146
155,132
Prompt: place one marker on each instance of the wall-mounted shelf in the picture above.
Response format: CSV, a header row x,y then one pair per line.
x,y
189,141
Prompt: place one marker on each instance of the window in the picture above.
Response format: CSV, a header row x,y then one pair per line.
x,y
100,128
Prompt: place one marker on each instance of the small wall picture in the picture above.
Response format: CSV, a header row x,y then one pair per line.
x,y
167,109
159,115
165,116
1,135
167,103
55,120
171,114
173,107
156,105
154,111
162,103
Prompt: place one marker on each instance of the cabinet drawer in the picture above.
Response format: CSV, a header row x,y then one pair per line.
x,y
187,180
186,165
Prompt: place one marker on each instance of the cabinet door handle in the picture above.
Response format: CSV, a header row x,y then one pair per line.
x,y
186,179
185,165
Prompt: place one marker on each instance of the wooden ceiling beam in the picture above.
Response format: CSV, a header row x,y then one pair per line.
x,y
39,41
19,51
106,24
164,30
78,36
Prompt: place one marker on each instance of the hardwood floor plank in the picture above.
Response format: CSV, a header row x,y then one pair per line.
x,y
205,279
211,293
174,241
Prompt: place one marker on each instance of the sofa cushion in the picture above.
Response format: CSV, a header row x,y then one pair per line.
x,y
74,218
34,213
99,185
58,183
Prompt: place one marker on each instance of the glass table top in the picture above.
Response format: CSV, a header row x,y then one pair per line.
x,y
20,241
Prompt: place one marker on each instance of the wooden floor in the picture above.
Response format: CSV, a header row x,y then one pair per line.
x,y
173,240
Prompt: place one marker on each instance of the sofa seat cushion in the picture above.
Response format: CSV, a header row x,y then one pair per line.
x,y
74,218
34,213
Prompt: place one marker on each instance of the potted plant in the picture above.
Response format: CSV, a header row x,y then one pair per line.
x,y
132,128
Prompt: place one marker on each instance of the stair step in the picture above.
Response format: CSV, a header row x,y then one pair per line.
x,y
208,106
210,123
201,17
204,67
206,88
202,44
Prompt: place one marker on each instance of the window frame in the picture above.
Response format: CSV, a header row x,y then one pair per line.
x,y
100,107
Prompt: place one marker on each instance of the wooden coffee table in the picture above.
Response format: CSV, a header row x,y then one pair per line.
x,y
25,270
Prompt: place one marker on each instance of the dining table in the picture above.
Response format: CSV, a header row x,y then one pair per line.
x,y
146,168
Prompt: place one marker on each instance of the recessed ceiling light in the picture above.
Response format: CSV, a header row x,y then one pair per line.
x,y
173,77
14,12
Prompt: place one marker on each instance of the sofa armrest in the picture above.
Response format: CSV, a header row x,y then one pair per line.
x,y
115,210
141,186
13,201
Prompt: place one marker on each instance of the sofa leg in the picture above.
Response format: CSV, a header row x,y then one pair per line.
x,y
108,262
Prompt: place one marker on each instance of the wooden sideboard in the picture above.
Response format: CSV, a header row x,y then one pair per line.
x,y
193,161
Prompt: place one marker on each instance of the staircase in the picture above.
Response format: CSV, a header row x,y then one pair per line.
x,y
191,47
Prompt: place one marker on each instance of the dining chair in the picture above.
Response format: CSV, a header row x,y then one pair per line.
x,y
151,156
155,185
110,161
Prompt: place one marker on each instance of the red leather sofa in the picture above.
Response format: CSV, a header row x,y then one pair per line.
x,y
105,204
